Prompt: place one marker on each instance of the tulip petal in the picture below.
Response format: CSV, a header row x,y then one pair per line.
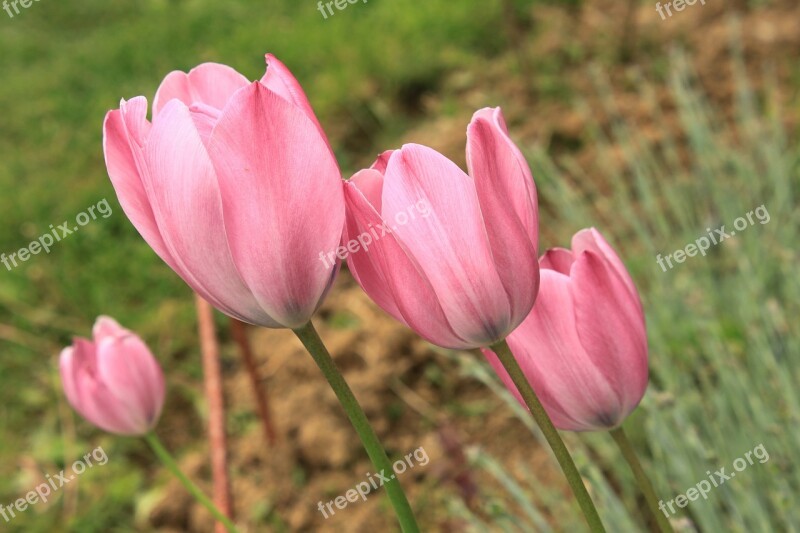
x,y
107,327
388,275
507,197
125,133
558,259
273,165
282,82
450,244
592,240
570,385
126,366
502,176
209,83
611,327
205,118
66,365
382,162
186,202
78,369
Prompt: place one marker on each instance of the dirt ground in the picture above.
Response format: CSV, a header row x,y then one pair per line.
x,y
412,392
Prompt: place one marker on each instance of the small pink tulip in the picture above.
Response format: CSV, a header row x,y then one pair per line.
x,y
451,255
113,381
235,187
583,348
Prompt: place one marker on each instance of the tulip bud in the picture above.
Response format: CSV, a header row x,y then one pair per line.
x,y
113,381
583,348
235,187
451,255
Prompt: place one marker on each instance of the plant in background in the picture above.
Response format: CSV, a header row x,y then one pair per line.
x,y
115,383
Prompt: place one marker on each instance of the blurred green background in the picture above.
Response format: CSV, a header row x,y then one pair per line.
x,y
652,130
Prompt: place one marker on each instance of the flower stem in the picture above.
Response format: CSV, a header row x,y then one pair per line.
x,y
641,478
505,356
239,333
165,457
311,340
212,379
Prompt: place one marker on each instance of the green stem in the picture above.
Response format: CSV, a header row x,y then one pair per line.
x,y
165,457
311,340
641,479
503,353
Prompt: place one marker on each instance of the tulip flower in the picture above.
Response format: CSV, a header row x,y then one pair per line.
x,y
466,274
113,380
583,348
581,355
235,187
115,383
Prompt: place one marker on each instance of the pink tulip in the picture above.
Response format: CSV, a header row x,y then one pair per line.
x,y
235,187
466,274
113,381
583,348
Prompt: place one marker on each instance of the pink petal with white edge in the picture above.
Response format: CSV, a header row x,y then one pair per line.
x,y
211,84
508,203
107,327
125,132
450,245
282,201
187,204
387,273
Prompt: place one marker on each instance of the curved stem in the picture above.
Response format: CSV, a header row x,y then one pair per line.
x,y
550,432
311,340
641,479
165,457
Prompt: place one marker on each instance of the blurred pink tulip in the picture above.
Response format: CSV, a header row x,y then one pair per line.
x,y
113,381
466,273
583,348
235,187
